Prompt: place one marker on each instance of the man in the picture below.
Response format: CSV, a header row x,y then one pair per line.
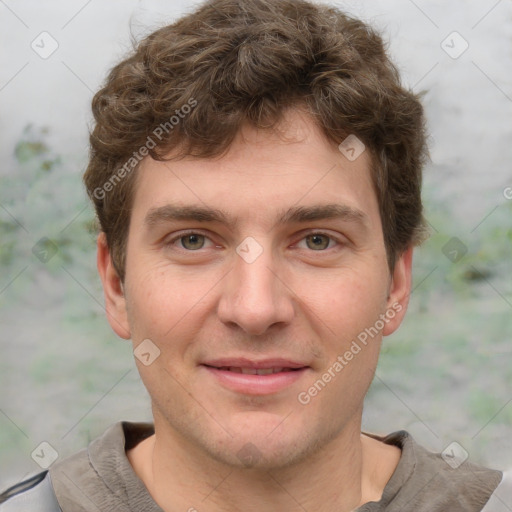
x,y
256,172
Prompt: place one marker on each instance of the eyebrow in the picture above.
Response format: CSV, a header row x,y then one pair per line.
x,y
294,215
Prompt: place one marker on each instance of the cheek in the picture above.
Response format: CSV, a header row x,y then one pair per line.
x,y
164,311
156,303
346,301
169,307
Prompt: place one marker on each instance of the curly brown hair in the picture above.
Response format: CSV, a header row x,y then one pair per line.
x,y
189,87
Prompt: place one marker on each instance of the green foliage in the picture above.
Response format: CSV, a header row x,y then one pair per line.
x,y
488,256
45,216
484,407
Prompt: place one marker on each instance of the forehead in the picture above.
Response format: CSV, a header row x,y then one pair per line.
x,y
263,175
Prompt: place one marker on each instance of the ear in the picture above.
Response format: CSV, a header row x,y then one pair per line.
x,y
115,302
399,292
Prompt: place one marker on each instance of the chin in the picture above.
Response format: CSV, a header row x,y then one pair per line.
x,y
245,454
264,441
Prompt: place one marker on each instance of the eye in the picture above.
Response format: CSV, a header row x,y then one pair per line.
x,y
318,241
192,241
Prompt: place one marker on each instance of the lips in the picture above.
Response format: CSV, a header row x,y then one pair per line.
x,y
253,377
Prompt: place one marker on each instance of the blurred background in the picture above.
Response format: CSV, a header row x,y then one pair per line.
x,y
445,376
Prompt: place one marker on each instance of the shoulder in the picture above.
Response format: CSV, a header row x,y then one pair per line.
x,y
88,480
427,481
101,477
35,493
78,484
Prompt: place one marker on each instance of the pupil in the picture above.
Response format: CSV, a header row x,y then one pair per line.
x,y
319,241
193,241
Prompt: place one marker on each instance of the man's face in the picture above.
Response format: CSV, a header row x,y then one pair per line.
x,y
269,259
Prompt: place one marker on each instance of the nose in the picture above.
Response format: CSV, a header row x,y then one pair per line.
x,y
255,298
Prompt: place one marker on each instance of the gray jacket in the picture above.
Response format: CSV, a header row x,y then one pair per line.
x,y
40,497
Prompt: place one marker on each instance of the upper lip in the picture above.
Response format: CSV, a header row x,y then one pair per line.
x,y
242,362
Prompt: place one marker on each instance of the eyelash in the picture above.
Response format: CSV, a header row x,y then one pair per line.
x,y
183,234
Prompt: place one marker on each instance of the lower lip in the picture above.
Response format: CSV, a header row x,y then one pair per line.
x,y
256,384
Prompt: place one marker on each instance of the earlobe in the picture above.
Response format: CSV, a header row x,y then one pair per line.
x,y
399,292
115,302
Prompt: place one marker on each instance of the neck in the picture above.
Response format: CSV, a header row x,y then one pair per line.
x,y
351,470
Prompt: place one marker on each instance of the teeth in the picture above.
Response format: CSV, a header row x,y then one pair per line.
x,y
266,371
255,371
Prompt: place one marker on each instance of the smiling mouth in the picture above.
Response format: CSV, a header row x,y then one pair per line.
x,y
247,377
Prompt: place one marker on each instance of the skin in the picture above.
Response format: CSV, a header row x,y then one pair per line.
x,y
304,299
